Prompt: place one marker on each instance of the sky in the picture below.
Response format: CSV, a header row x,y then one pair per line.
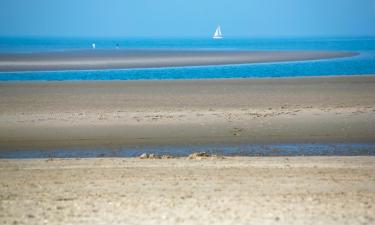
x,y
187,18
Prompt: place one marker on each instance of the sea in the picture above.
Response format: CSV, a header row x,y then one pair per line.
x,y
362,64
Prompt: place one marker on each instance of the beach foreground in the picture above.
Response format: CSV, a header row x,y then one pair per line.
x,y
267,190
128,58
106,114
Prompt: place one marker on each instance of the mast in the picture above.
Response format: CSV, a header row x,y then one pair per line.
x,y
219,30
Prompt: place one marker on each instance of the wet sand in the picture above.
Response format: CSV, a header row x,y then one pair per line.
x,y
230,190
121,59
267,190
106,114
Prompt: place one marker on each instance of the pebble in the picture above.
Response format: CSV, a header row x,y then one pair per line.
x,y
154,156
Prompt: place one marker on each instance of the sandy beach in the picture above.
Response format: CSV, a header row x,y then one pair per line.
x,y
214,190
170,112
45,115
266,190
121,59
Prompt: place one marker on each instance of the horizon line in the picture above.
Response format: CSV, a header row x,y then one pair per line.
x,y
187,37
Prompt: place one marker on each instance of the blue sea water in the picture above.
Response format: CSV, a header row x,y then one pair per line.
x,y
309,149
357,65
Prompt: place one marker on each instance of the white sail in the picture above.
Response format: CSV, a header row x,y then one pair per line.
x,y
218,34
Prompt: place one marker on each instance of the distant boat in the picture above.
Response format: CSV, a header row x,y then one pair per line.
x,y
218,34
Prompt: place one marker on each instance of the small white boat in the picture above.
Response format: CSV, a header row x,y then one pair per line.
x,y
218,34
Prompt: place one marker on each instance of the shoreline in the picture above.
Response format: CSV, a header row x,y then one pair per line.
x,y
213,151
84,114
133,59
176,79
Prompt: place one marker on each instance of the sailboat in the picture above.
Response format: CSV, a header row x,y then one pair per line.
x,y
218,34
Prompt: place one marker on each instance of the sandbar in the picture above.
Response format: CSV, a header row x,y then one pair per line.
x,y
93,114
123,59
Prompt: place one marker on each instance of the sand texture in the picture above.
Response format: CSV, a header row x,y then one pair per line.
x,y
37,115
311,190
121,59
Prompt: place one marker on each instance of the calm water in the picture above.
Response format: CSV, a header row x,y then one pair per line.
x,y
362,64
227,150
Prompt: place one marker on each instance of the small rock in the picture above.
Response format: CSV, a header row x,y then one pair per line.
x,y
153,156
198,155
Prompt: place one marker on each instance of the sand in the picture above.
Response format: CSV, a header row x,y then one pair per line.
x,y
295,190
121,59
93,114
233,190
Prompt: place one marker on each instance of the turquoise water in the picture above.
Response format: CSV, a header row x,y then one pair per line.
x,y
56,44
358,65
333,149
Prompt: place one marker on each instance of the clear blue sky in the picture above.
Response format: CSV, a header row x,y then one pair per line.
x,y
187,18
